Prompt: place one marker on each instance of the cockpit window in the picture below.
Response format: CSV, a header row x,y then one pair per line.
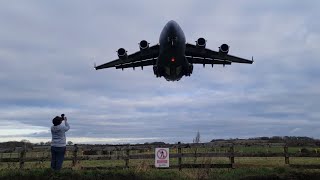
x,y
173,40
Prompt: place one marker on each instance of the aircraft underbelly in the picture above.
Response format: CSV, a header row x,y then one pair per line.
x,y
172,64
173,70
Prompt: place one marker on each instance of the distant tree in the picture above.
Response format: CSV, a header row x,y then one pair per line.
x,y
25,141
215,140
155,143
264,138
197,138
70,143
47,143
41,143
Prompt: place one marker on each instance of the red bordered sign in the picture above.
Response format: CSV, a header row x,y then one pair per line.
x,y
162,157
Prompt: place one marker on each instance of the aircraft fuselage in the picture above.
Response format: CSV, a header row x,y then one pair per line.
x,y
171,63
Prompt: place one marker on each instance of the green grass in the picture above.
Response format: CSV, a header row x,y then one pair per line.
x,y
136,173
239,162
304,160
241,149
125,174
270,167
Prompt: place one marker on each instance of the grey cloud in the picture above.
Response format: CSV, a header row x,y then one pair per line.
x,y
46,52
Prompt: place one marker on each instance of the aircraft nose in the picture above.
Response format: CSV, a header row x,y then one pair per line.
x,y
171,29
171,26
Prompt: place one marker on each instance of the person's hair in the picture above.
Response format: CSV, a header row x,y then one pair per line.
x,y
56,121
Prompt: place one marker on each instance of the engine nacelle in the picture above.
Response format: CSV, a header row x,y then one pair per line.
x,y
122,54
224,49
143,45
201,43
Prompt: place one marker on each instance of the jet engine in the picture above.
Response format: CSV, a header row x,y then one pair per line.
x,y
224,49
122,54
143,45
201,42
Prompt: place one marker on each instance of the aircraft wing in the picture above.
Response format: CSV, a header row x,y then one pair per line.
x,y
147,62
197,60
208,56
142,58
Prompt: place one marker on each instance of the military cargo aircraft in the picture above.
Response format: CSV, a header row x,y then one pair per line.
x,y
173,58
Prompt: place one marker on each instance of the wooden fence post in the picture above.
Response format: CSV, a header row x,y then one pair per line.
x,y
127,156
75,155
286,156
117,154
232,155
180,154
22,157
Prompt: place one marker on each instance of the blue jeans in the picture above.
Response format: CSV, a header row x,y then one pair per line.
x,y
57,157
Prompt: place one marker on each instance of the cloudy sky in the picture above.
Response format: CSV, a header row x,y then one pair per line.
x,y
47,50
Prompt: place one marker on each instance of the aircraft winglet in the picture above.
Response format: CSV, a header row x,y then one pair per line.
x,y
252,59
94,65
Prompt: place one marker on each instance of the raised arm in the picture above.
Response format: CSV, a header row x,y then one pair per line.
x,y
67,126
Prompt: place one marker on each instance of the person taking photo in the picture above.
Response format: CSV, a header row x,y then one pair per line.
x,y
58,142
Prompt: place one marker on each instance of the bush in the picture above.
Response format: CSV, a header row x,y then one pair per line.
x,y
304,150
90,152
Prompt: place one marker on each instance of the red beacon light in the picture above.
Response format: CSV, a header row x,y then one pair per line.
x,y
173,59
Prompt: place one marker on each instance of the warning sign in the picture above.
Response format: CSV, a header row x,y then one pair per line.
x,y
162,157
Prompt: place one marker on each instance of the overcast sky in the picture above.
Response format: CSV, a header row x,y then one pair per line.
x,y
47,50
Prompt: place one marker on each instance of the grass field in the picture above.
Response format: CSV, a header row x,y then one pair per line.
x,y
136,173
239,162
270,167
241,149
